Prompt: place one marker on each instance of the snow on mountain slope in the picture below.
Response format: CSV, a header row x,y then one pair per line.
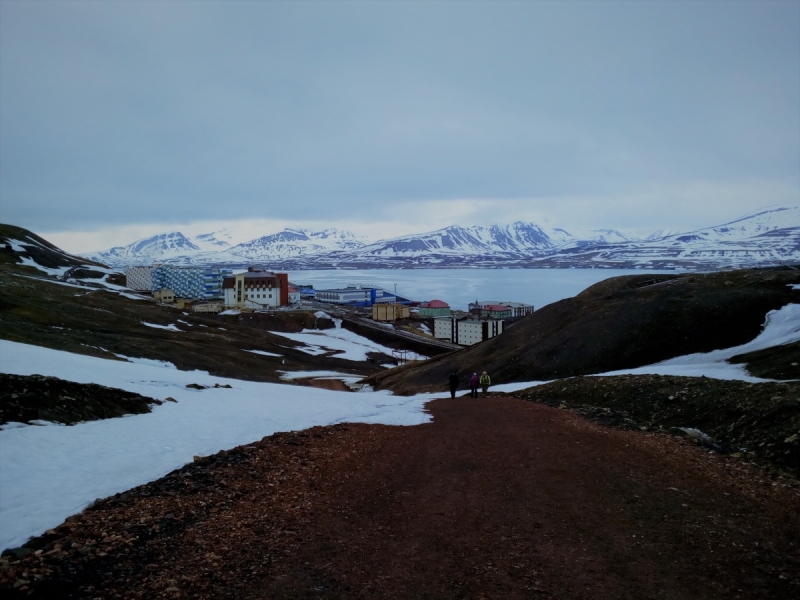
x,y
147,250
296,242
584,237
749,226
517,238
771,235
215,241
216,247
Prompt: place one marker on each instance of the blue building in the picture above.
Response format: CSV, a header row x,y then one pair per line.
x,y
358,296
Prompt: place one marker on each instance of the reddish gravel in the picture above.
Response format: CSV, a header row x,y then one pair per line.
x,y
497,498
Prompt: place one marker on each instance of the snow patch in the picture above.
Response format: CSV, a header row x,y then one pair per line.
x,y
170,327
132,296
263,353
781,327
295,375
48,473
350,345
163,364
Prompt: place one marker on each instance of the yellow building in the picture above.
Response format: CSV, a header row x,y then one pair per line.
x,y
390,312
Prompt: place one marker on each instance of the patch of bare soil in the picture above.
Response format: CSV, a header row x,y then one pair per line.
x,y
619,323
496,498
28,398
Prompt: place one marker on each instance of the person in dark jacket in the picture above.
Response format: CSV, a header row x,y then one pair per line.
x,y
473,386
453,384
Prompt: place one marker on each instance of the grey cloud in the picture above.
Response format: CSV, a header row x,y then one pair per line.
x,y
118,112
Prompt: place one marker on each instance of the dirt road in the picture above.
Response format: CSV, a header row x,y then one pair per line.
x,y
497,498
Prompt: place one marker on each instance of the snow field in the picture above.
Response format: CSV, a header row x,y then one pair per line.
x,y
353,346
50,472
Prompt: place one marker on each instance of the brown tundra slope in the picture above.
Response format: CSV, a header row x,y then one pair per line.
x,y
619,323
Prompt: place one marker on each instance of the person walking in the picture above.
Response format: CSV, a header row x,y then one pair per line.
x,y
453,384
473,386
485,382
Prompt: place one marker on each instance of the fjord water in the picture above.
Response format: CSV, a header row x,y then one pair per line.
x,y
459,287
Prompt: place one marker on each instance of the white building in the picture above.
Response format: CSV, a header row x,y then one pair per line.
x,y
518,309
256,289
139,278
466,332
443,328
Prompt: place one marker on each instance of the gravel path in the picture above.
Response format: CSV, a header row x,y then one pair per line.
x,y
497,498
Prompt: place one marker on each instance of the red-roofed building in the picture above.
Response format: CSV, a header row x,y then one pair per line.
x,y
434,308
496,311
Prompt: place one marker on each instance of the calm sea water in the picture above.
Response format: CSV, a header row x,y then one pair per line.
x,y
458,287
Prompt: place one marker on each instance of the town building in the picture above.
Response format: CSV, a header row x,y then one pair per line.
x,y
164,296
256,289
139,278
390,312
434,308
294,295
356,295
496,311
466,332
207,307
195,283
518,309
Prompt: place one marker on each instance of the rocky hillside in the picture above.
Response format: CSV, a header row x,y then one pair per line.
x,y
619,323
23,248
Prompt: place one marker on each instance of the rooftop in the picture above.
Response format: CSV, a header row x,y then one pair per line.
x,y
435,304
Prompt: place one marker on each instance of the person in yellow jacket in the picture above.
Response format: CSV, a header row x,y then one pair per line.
x,y
485,382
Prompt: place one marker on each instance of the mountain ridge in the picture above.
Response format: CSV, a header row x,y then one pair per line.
x,y
770,235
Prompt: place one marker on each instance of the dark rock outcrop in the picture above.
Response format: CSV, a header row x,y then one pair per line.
x,y
29,398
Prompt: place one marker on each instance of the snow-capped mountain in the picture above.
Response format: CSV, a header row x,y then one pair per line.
x,y
749,226
517,238
147,250
296,242
215,241
768,236
217,248
561,237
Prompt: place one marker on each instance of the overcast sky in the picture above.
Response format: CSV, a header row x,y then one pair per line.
x,y
120,119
